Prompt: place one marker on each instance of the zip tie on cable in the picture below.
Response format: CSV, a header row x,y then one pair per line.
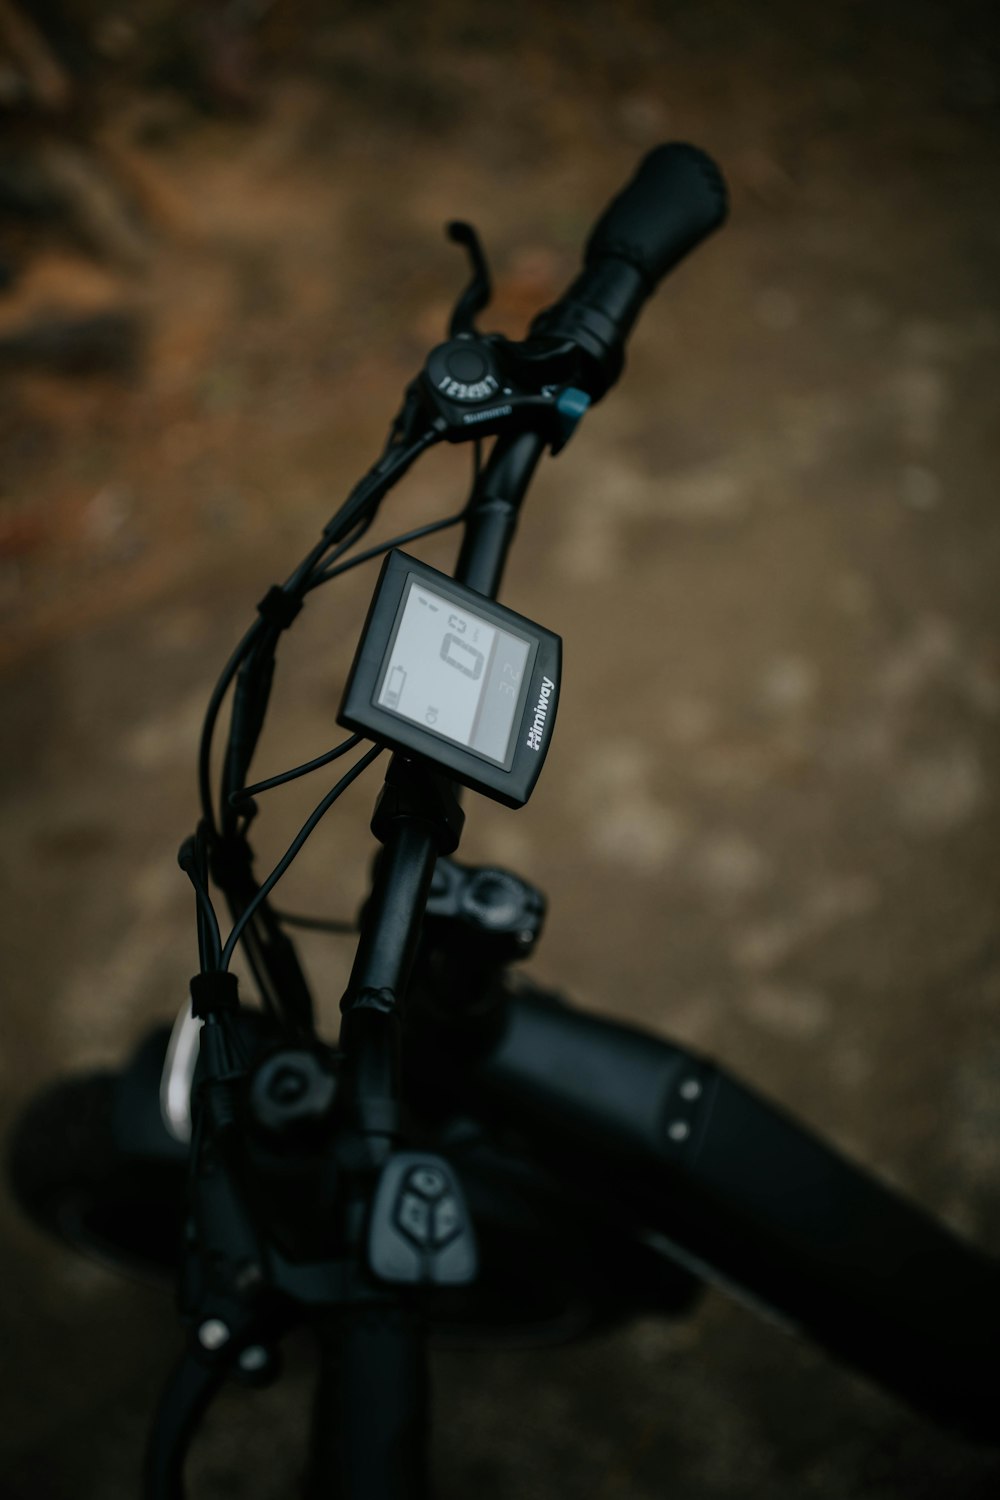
x,y
278,608
212,992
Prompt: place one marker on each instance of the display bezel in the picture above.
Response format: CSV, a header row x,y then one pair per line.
x,y
510,782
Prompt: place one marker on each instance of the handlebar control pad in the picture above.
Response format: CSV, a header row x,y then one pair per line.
x,y
420,1231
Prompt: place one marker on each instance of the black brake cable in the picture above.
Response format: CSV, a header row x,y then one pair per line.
x,y
244,795
252,690
191,858
239,799
338,538
397,541
342,532
339,925
278,609
235,800
211,716
293,849
361,503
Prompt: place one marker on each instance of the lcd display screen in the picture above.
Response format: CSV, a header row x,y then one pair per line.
x,y
454,673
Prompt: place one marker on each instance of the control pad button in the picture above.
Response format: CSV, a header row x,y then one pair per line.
x,y
414,1217
429,1182
447,1221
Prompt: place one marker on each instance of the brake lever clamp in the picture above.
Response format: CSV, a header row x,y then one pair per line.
x,y
475,385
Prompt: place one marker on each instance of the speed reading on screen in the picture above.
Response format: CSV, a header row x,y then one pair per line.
x,y
448,674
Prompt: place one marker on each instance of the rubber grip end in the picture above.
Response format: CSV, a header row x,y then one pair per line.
x,y
676,198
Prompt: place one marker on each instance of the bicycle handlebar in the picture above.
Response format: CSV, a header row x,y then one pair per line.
x,y
675,200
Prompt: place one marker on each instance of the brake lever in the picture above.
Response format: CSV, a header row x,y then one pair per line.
x,y
480,288
476,384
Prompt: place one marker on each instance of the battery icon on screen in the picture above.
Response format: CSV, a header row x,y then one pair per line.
x,y
394,688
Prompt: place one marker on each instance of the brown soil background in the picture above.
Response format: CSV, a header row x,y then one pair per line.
x,y
768,826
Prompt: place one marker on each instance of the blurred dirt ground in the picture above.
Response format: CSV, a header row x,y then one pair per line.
x,y
768,826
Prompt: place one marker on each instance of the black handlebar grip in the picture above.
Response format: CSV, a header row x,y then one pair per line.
x,y
676,198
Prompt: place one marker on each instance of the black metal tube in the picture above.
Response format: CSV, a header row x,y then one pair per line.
x,y
492,520
369,1434
185,1399
390,932
390,928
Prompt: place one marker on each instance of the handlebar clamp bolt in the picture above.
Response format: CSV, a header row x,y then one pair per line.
x,y
249,1278
291,1089
213,1334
